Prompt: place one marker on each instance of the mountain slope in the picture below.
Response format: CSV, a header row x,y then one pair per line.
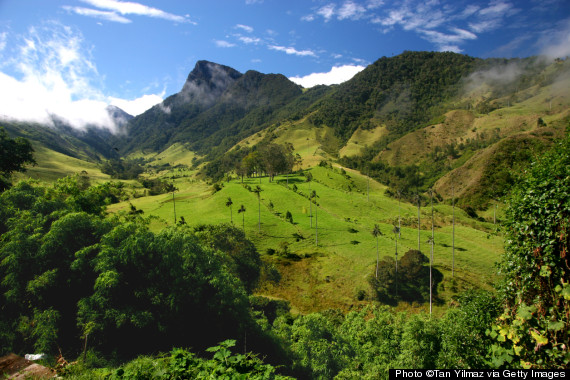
x,y
216,108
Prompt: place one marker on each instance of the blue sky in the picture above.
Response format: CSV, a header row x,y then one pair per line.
x,y
73,57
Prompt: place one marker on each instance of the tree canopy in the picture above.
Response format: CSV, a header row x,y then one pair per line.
x,y
15,154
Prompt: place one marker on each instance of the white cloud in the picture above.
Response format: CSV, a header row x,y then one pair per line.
x,y
483,26
224,44
469,11
55,77
247,28
103,15
132,8
491,17
373,4
137,106
293,51
556,42
351,10
3,39
452,48
448,42
249,40
498,8
327,12
336,75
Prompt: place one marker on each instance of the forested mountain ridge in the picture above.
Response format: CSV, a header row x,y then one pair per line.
x,y
216,108
406,120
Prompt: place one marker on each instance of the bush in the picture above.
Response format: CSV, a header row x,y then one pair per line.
x,y
289,217
534,329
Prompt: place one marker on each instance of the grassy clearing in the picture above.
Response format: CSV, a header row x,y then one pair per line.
x,y
52,165
329,275
362,138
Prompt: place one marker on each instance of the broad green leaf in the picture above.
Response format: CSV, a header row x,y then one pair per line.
x,y
540,339
556,325
566,292
525,312
545,271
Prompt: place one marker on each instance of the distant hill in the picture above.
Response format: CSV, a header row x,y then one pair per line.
x,y
90,143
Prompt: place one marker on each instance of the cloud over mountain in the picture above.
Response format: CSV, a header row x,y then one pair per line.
x,y
50,74
336,75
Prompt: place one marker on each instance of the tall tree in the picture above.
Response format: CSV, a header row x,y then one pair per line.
x,y
419,202
432,242
376,232
14,155
229,204
309,177
399,214
314,196
258,191
396,232
453,233
240,211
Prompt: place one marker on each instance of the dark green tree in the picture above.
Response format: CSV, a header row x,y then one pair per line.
x,y
242,256
258,191
229,204
15,154
240,211
376,232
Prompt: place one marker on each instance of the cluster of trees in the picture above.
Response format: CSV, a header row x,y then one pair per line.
x,y
122,169
73,278
265,158
366,343
405,279
157,186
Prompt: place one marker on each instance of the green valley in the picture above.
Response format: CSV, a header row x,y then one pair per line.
x,y
331,230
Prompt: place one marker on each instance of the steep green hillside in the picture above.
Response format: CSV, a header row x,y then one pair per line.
x,y
333,273
526,100
403,92
216,108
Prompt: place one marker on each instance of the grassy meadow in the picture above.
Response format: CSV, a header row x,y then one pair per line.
x,y
329,274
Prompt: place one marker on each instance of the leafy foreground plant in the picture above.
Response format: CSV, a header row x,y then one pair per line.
x,y
183,364
534,330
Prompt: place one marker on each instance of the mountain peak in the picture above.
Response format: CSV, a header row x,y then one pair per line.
x,y
209,71
207,81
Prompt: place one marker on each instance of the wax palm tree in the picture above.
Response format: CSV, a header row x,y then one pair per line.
x,y
314,196
399,215
258,191
376,232
419,202
453,234
309,179
431,250
242,210
229,204
396,232
430,242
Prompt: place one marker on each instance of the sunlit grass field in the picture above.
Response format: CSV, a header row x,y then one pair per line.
x,y
329,274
